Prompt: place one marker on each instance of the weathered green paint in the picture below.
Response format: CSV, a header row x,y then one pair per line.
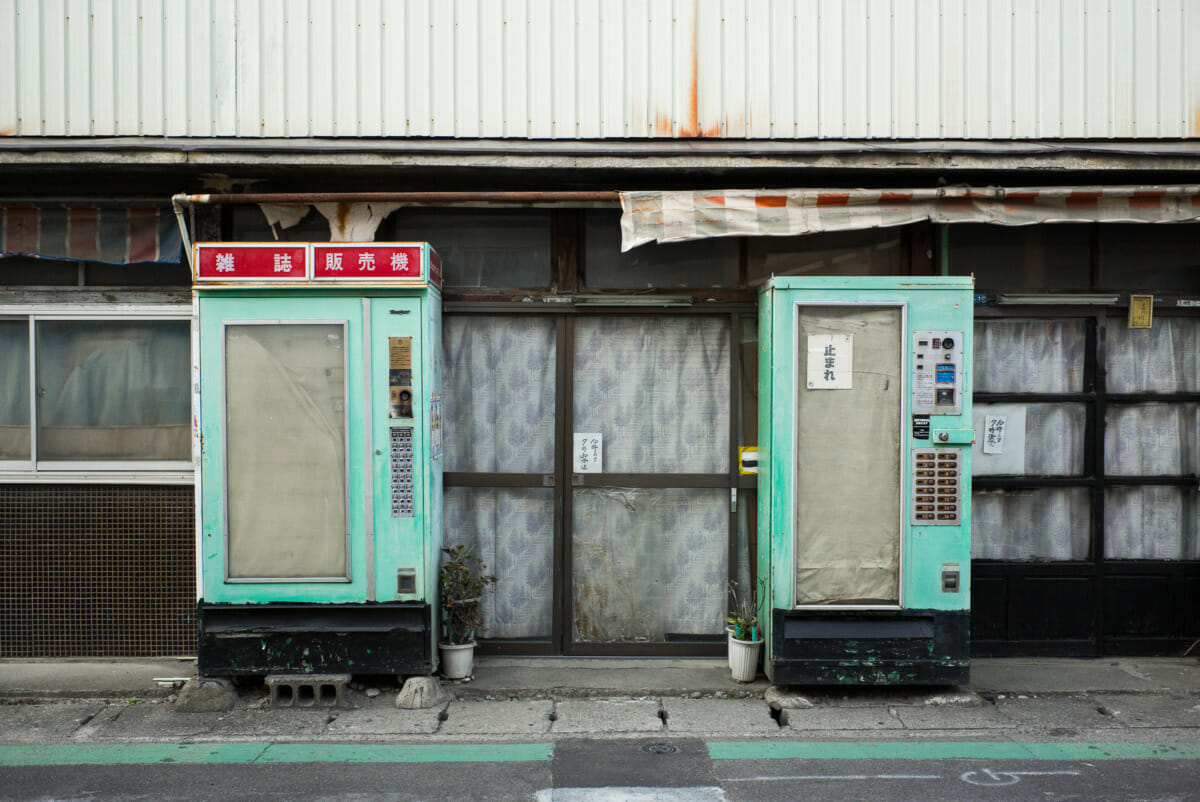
x,y
165,754
399,543
944,750
932,302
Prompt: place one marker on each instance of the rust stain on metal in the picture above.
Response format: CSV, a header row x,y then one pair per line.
x,y
662,125
691,125
343,215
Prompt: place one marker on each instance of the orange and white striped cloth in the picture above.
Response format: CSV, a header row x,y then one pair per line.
x,y
690,215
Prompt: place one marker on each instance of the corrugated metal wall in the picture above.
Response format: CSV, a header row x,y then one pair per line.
x,y
564,69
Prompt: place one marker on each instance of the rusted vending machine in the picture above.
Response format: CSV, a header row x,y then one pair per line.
x,y
319,490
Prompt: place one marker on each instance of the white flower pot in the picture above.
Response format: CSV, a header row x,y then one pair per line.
x,y
458,659
743,658
729,644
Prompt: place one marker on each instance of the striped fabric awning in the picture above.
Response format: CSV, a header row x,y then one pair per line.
x,y
681,216
90,232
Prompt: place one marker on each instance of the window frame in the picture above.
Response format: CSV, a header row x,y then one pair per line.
x,y
158,472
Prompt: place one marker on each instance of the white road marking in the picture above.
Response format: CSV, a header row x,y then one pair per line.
x,y
995,778
832,777
631,794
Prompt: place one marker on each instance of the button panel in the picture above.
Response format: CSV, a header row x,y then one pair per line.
x,y
937,488
403,498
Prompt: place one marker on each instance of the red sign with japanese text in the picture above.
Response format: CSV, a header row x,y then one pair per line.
x,y
435,268
257,261
373,261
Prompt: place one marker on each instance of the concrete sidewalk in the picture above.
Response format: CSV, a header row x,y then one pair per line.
x,y
585,677
545,699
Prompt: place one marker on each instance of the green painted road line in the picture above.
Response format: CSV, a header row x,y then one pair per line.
x,y
941,750
116,754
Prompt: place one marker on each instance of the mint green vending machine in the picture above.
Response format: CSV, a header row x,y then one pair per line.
x,y
319,489
864,486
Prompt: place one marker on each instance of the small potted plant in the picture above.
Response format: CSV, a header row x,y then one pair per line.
x,y
745,633
461,584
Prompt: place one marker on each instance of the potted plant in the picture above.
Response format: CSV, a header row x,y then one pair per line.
x,y
745,633
461,584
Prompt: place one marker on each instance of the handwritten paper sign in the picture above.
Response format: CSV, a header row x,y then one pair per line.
x,y
830,361
589,452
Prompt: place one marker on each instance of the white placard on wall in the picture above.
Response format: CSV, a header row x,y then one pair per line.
x,y
588,453
1004,451
830,361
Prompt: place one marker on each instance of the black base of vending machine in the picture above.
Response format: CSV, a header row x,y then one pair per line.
x,y
289,637
849,647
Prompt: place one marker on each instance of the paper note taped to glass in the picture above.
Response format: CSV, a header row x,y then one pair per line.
x,y
830,361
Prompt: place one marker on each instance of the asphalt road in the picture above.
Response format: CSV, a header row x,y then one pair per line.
x,y
586,770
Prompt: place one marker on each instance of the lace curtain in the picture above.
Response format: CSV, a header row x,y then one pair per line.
x,y
1140,440
498,390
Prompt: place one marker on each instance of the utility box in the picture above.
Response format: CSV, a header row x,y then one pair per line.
x,y
864,499
319,489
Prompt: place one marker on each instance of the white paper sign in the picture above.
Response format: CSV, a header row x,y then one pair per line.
x,y
830,361
589,452
993,433
1004,453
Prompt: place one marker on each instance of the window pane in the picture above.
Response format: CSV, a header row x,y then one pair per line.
x,y
482,249
649,564
1039,440
285,441
14,390
29,271
1151,523
1152,439
1046,524
138,274
1136,256
710,263
657,390
1029,356
113,390
1023,257
512,531
499,393
872,252
1163,359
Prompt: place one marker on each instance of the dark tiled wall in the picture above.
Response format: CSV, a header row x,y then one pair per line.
x,y
97,571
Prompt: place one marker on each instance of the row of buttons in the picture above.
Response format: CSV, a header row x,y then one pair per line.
x,y
403,502
935,487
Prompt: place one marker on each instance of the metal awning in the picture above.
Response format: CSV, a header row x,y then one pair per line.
x,y
681,216
90,232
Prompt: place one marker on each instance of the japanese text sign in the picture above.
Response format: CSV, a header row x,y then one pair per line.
x,y
261,262
830,361
367,261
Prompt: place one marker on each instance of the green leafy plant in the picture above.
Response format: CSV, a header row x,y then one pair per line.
x,y
743,610
462,582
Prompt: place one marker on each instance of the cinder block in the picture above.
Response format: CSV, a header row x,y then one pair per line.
x,y
308,690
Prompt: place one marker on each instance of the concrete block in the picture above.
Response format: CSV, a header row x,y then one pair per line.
x,y
498,718
607,715
376,720
783,698
952,718
308,690
1151,710
420,693
44,722
206,695
725,716
1057,716
839,718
